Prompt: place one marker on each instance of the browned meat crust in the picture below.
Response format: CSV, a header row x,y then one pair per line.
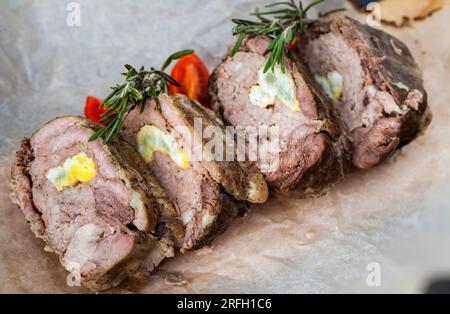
x,y
21,188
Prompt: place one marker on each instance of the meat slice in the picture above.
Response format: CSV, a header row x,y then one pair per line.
x,y
305,152
382,102
102,217
208,191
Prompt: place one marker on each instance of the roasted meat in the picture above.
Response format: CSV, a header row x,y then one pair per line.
x,y
374,81
106,218
308,153
208,191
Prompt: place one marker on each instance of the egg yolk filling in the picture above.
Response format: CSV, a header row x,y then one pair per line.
x,y
77,169
151,139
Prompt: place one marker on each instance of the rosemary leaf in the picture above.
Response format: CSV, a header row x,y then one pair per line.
x,y
282,21
238,44
175,56
133,92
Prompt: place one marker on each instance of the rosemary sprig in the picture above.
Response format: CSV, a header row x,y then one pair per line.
x,y
288,20
133,92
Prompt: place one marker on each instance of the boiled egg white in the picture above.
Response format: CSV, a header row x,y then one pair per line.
x,y
272,84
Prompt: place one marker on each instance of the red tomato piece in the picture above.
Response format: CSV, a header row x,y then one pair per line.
x,y
193,75
92,109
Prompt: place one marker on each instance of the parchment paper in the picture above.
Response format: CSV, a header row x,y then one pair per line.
x,y
396,215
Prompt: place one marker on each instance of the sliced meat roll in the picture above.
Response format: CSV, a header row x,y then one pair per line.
x,y
90,205
375,83
304,151
207,190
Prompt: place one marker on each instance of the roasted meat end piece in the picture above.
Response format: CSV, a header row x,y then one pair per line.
x,y
374,82
90,206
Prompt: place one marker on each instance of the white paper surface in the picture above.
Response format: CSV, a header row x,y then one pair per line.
x,y
396,215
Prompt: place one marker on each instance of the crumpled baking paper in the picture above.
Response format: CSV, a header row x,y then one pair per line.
x,y
382,230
